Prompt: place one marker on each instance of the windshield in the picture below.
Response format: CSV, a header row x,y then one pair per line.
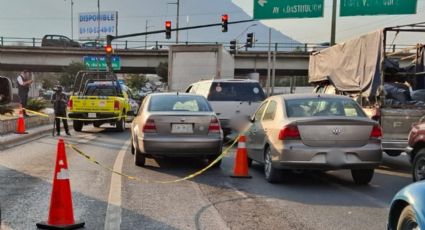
x,y
307,107
236,91
164,103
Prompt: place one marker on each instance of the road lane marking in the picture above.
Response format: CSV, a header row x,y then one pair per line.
x,y
391,173
113,212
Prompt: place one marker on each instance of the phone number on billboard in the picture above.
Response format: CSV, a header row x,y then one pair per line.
x,y
95,30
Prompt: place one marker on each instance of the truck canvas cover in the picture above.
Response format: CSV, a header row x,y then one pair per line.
x,y
352,66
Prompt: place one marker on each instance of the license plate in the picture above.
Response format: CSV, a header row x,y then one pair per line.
x,y
181,128
92,115
102,103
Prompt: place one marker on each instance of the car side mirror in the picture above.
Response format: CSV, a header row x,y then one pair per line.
x,y
5,91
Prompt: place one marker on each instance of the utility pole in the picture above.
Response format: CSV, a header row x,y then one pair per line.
x,y
269,63
333,23
177,3
72,19
146,36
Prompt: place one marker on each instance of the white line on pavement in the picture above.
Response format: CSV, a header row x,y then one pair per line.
x,y
113,212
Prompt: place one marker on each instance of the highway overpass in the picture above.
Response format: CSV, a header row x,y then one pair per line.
x,y
49,59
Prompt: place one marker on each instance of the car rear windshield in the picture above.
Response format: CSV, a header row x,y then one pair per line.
x,y
102,90
165,103
323,107
236,91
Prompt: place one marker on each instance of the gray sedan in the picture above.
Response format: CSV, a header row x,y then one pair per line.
x,y
314,132
177,125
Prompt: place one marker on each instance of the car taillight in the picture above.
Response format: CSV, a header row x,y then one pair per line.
x,y
116,105
376,132
149,126
70,104
289,132
214,126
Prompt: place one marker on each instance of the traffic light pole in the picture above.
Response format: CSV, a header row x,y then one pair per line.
x,y
110,38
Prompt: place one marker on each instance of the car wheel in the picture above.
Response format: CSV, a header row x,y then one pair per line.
x,y
249,162
210,159
419,166
120,125
273,175
78,125
407,220
393,153
97,124
362,176
133,149
139,158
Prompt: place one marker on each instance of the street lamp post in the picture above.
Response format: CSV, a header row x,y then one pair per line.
x,y
146,36
72,19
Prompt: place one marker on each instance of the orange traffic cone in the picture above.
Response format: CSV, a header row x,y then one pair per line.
x,y
61,215
241,162
20,123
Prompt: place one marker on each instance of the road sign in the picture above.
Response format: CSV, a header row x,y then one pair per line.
x,y
375,7
274,9
99,62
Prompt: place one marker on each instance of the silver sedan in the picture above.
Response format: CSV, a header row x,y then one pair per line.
x,y
314,132
175,124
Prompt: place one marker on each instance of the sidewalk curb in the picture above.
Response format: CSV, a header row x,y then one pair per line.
x,y
12,140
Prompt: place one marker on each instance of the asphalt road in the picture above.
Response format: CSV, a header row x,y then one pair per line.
x,y
211,201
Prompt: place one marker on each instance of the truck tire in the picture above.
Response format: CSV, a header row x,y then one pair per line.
x,y
97,124
393,153
120,125
78,125
362,176
418,170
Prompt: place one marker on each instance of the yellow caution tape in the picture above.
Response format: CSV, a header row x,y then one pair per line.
x,y
141,180
75,119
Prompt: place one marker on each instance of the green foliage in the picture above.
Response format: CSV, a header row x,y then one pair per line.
x,y
136,81
4,109
49,81
162,71
67,77
36,104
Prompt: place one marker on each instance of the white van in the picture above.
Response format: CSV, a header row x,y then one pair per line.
x,y
231,99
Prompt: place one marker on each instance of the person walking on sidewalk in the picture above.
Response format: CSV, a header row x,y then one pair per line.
x,y
60,100
24,83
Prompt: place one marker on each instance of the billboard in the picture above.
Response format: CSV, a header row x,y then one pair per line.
x,y
94,25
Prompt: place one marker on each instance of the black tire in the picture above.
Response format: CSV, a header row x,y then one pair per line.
x,y
272,175
210,159
393,153
407,220
362,176
97,124
249,162
133,149
139,158
418,169
78,125
120,125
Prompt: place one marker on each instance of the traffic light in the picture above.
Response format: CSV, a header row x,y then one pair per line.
x,y
108,49
233,46
224,22
167,29
249,40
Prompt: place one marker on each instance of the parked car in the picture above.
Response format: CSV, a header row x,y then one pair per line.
x,y
314,132
175,124
58,41
416,151
407,209
231,99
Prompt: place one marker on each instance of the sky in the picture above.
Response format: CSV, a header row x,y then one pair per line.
x,y
34,18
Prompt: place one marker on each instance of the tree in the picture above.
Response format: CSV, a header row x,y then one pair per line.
x,y
162,71
136,81
67,77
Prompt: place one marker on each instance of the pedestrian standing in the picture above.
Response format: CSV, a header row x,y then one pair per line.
x,y
60,100
24,83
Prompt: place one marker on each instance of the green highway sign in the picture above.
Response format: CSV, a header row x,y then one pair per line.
x,y
99,62
275,9
376,7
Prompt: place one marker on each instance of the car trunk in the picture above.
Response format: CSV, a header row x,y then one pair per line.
x,y
335,132
187,124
